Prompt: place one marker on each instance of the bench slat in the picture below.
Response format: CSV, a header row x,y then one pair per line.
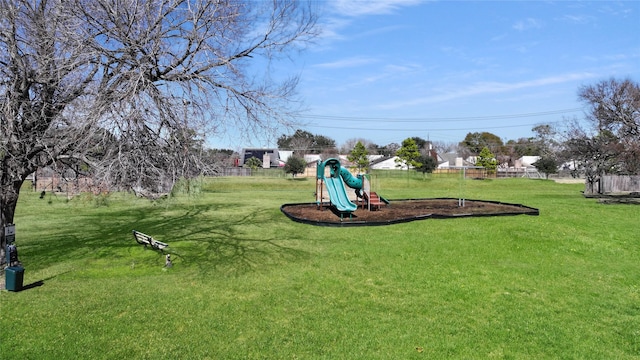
x,y
144,239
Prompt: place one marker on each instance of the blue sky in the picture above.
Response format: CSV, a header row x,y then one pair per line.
x,y
388,70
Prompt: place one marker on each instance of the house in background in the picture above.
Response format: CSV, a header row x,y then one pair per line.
x,y
526,162
453,161
284,156
269,157
447,162
525,165
388,163
272,158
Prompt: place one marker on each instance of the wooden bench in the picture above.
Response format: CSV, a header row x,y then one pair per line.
x,y
146,240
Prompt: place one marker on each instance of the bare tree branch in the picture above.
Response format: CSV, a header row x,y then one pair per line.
x,y
130,88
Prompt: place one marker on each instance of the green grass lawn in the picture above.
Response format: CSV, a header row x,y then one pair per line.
x,y
248,283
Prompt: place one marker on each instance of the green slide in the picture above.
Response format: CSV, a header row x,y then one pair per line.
x,y
338,195
336,186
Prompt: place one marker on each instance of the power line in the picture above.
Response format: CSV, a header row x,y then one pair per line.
x,y
440,119
428,129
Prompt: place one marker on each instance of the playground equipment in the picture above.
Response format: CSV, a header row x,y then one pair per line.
x,y
335,185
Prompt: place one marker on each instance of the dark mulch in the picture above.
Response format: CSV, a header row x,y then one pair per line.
x,y
401,211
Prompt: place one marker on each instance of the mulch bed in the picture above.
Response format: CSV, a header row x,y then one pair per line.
x,y
402,211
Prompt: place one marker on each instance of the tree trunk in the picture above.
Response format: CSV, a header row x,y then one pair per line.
x,y
9,192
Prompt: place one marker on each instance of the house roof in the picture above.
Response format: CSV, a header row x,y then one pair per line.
x,y
388,164
527,161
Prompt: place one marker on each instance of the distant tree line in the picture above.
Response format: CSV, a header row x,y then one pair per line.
x,y
608,142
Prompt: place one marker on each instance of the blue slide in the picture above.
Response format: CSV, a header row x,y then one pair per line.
x,y
338,195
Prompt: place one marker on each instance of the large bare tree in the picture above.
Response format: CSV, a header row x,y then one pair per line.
x,y
611,142
614,109
126,89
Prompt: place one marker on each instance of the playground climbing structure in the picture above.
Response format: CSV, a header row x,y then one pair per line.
x,y
336,183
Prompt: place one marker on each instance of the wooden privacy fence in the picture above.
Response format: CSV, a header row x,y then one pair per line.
x,y
234,171
613,184
468,173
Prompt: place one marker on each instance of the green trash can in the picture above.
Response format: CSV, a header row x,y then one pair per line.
x,y
14,275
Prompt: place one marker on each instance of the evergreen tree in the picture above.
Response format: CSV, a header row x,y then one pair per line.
x,y
408,154
487,160
359,157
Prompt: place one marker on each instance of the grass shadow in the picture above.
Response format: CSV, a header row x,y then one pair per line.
x,y
33,285
201,236
231,245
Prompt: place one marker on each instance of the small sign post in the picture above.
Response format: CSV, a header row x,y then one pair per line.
x,y
10,233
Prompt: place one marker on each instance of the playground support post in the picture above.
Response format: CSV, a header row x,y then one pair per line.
x,y
461,194
319,193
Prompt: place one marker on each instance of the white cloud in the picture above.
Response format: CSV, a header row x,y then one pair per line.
x,y
525,48
346,63
331,28
369,7
616,9
499,37
482,88
527,24
340,14
578,19
391,71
